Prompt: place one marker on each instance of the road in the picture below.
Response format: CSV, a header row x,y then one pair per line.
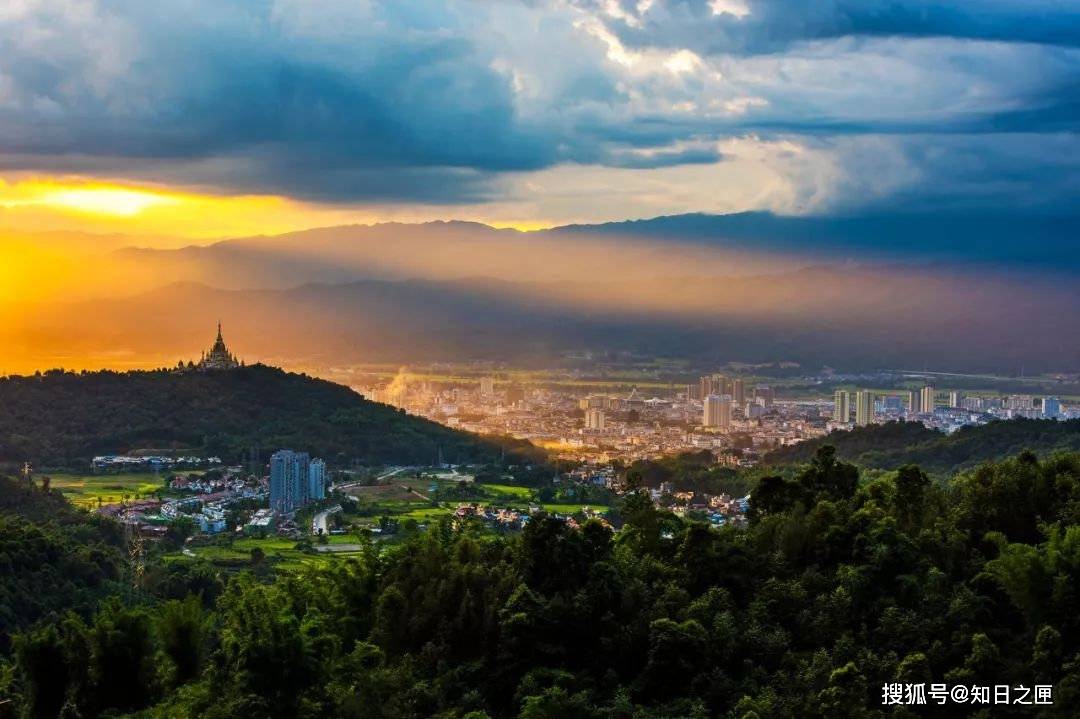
x,y
380,478
319,522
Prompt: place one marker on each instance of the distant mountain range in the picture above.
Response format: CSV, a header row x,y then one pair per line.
x,y
703,245
943,292
1010,239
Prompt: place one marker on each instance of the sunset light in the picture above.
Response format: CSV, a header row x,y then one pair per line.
x,y
82,197
79,204
105,200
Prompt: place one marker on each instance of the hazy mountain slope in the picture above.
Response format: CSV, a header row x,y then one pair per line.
x,y
1002,238
841,317
737,244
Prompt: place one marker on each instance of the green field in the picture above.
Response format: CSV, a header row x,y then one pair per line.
x,y
386,500
571,508
84,490
280,553
506,490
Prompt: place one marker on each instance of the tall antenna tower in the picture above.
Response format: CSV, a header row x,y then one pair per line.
x,y
136,554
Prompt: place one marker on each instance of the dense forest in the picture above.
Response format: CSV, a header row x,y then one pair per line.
x,y
60,418
52,557
837,586
894,444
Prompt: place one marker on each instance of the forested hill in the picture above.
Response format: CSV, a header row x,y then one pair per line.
x,y
891,445
62,418
53,558
834,590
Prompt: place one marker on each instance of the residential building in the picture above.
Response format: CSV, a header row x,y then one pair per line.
x,y
289,480
927,399
738,391
317,480
864,407
717,411
913,402
841,406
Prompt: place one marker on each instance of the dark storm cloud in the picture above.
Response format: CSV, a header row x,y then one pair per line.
x,y
762,26
239,96
439,101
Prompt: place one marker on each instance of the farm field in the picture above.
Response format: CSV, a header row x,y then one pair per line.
x,y
279,552
88,490
395,501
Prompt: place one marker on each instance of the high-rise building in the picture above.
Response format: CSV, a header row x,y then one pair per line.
x,y
841,406
717,411
1051,407
722,384
1022,402
913,402
956,399
317,480
927,399
594,418
864,407
289,478
738,391
487,386
710,411
765,393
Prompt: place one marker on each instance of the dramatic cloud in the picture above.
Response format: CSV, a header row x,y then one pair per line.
x,y
532,106
762,26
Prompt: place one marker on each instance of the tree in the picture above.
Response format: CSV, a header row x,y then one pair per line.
x,y
183,633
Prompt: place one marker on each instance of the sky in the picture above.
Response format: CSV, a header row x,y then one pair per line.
x,y
215,118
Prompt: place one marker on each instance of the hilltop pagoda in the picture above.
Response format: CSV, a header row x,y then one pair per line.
x,y
219,357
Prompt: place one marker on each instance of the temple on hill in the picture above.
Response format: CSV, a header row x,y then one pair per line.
x,y
219,356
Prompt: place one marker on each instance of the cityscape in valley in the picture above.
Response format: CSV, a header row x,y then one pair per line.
x,y
727,421
539,359
736,418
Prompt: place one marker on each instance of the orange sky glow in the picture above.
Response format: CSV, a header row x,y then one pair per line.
x,y
153,213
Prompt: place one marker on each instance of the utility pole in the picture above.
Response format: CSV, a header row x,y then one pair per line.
x,y
136,554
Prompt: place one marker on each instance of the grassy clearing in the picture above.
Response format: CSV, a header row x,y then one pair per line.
x,y
571,508
506,490
281,553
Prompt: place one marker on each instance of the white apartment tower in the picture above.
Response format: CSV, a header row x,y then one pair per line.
x,y
841,406
864,407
